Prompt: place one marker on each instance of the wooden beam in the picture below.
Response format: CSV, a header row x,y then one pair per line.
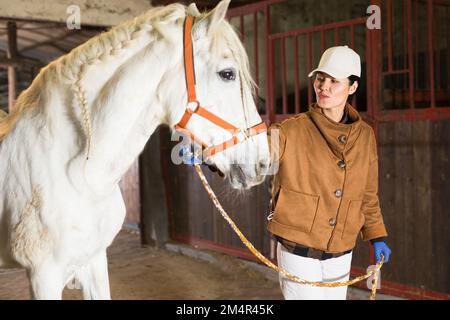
x,y
203,4
50,41
7,62
11,53
91,13
19,62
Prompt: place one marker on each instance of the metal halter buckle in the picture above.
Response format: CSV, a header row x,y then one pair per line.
x,y
192,106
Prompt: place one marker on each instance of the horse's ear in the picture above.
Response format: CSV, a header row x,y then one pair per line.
x,y
192,10
217,15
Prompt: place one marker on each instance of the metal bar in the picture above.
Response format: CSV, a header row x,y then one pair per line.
x,y
369,78
256,57
437,61
352,36
447,76
430,52
322,41
376,66
404,33
252,7
415,114
435,114
283,75
437,2
296,76
337,37
410,55
387,73
423,95
319,28
269,67
405,36
389,33
309,53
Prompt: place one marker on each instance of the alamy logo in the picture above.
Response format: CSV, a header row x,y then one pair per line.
x,y
371,278
374,21
73,21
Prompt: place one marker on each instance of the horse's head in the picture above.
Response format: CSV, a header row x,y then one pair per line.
x,y
224,91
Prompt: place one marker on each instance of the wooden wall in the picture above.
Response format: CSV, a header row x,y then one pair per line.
x,y
415,193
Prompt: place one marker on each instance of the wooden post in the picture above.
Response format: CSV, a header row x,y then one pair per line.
x,y
11,53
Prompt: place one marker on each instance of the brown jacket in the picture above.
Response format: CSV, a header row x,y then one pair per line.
x,y
326,189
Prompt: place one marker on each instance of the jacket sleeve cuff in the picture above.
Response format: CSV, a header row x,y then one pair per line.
x,y
374,232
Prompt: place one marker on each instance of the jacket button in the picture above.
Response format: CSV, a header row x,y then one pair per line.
x,y
341,164
332,222
338,193
342,139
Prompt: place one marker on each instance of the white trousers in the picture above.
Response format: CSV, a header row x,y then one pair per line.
x,y
330,270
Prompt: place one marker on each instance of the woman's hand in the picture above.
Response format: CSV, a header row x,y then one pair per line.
x,y
381,248
187,155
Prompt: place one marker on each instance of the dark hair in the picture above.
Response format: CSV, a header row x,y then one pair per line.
x,y
352,80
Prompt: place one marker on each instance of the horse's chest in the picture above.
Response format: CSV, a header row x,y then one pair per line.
x,y
95,228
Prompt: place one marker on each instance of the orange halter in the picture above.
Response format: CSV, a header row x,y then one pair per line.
x,y
239,135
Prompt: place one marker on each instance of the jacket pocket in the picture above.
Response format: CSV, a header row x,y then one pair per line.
x,y
354,220
296,209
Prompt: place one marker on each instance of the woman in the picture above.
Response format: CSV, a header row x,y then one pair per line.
x,y
325,191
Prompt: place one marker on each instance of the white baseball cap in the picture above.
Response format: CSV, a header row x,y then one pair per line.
x,y
339,62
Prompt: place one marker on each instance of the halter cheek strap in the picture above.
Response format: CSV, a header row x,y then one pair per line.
x,y
193,107
189,70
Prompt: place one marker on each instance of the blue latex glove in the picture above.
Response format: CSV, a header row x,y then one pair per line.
x,y
381,248
188,156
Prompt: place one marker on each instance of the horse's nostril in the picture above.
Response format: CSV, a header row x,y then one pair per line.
x,y
263,165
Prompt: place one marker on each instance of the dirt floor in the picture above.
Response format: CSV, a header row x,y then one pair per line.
x,y
142,273
138,272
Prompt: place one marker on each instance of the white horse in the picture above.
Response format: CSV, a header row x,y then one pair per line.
x,y
86,117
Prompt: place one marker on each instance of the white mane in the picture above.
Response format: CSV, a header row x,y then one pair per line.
x,y
71,68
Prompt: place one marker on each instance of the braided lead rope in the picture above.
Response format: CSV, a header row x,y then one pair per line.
x,y
268,263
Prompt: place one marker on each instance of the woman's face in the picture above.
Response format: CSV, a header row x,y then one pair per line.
x,y
331,92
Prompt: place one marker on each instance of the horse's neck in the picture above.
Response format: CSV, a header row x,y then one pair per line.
x,y
126,112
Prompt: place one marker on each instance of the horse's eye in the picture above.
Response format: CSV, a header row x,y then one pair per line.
x,y
227,74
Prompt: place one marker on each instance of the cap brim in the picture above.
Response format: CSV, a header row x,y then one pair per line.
x,y
337,74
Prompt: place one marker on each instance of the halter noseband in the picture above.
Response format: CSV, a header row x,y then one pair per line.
x,y
193,106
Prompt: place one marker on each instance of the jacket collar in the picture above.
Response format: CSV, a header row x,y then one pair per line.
x,y
345,118
339,136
